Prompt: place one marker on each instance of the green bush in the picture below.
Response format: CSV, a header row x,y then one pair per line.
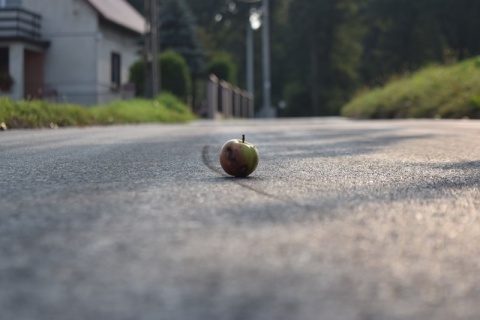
x,y
435,91
174,73
137,76
223,67
172,103
38,114
297,96
141,111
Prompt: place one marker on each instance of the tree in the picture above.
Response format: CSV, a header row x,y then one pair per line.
x,y
222,26
223,67
175,75
138,5
178,33
322,51
403,36
174,72
325,42
460,26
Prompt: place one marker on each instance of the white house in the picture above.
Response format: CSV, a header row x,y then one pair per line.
x,y
76,51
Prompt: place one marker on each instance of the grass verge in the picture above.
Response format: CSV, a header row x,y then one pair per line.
x,y
38,113
433,92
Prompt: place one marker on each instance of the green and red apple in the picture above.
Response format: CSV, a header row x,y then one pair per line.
x,y
238,157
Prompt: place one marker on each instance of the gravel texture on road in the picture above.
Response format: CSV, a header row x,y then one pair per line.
x,y
347,220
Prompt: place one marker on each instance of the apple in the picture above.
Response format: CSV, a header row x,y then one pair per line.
x,y
238,157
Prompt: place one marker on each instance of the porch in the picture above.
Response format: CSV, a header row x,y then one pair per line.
x,y
21,54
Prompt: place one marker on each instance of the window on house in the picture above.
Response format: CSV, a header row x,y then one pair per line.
x,y
10,3
116,69
4,60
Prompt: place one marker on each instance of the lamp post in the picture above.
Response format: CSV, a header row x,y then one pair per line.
x,y
254,23
268,111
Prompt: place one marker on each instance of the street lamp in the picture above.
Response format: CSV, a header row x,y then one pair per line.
x,y
267,110
253,24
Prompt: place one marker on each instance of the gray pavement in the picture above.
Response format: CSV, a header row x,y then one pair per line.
x,y
342,220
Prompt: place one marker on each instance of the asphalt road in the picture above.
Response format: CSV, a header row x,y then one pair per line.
x,y
342,220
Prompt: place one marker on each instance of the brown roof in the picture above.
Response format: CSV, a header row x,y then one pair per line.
x,y
121,13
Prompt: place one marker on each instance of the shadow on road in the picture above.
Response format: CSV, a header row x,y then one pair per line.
x,y
357,145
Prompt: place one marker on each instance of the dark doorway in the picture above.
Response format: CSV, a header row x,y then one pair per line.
x,y
4,60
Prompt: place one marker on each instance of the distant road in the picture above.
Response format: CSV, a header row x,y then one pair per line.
x,y
347,220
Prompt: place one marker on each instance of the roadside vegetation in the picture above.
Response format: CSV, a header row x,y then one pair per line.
x,y
39,114
433,92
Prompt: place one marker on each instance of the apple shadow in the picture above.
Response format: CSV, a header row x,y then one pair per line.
x,y
224,178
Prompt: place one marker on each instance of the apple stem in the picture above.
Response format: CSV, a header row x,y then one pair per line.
x,y
243,138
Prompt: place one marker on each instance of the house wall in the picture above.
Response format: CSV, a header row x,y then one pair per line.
x,y
72,27
124,42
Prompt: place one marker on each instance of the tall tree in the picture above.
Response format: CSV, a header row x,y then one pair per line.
x,y
403,36
460,26
222,27
322,51
326,43
178,33
138,5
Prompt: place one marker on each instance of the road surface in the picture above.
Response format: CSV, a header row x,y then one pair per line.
x,y
347,220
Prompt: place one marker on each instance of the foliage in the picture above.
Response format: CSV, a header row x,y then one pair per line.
x,y
137,76
178,33
166,108
459,26
38,113
327,49
331,31
6,81
434,91
221,26
138,5
175,77
333,47
223,66
297,95
404,36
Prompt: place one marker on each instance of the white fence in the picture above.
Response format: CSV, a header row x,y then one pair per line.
x,y
227,101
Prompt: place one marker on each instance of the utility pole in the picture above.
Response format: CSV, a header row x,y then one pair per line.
x,y
152,79
146,50
154,40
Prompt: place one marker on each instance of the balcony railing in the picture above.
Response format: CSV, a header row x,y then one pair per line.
x,y
19,23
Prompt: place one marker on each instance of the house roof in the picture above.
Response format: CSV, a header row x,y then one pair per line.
x,y
121,13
